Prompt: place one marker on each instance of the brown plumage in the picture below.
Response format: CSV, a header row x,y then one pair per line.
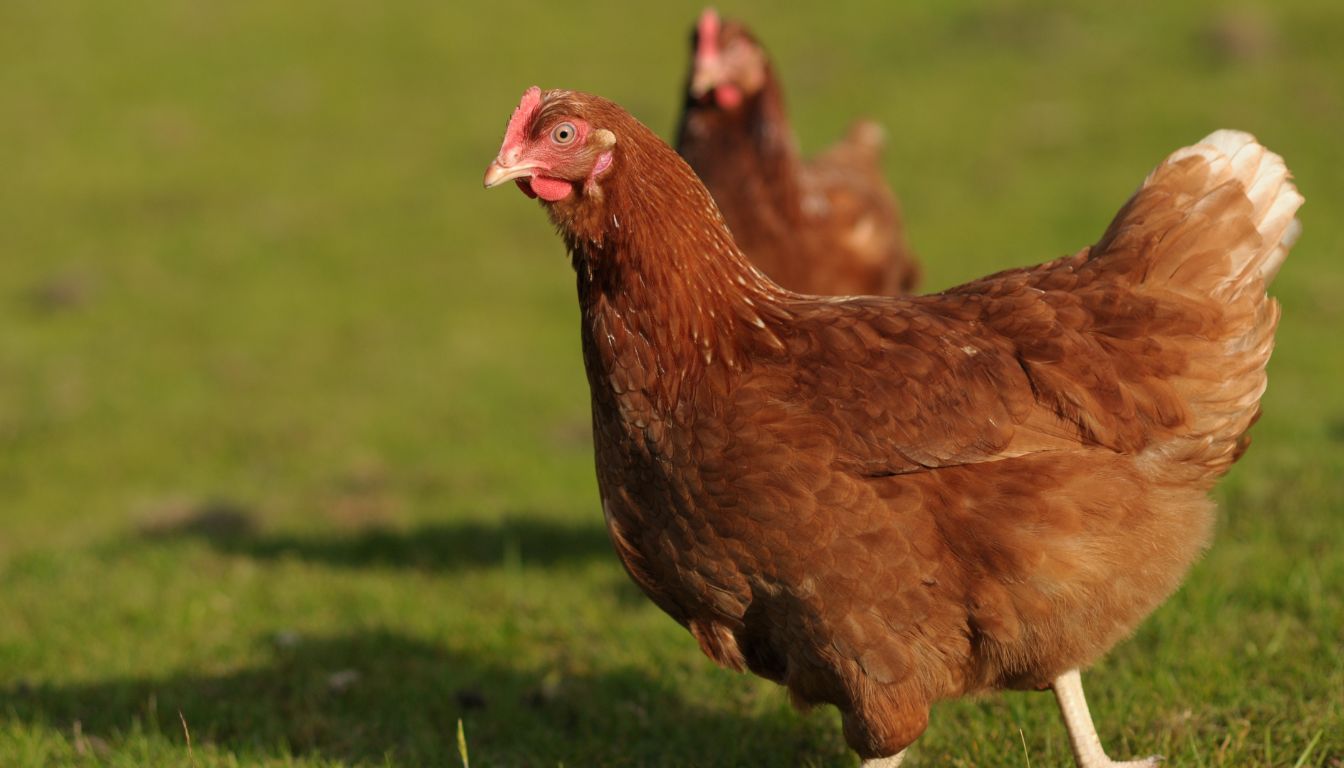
x,y
829,225
881,502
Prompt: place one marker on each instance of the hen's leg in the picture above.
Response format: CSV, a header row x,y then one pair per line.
x,y
1087,749
884,762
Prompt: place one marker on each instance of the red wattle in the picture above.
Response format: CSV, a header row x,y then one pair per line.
x,y
550,189
728,96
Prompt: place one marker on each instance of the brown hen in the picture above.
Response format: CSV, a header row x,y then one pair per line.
x,y
827,226
883,502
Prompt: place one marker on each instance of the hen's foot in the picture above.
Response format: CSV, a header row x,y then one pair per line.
x,y
1087,749
1106,762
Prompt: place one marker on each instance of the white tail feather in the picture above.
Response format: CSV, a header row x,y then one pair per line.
x,y
1262,174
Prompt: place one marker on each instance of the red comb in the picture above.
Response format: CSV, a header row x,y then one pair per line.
x,y
514,134
707,34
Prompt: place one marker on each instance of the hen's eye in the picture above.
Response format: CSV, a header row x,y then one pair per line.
x,y
563,133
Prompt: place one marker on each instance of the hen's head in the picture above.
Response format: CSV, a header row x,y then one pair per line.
x,y
555,142
729,66
604,178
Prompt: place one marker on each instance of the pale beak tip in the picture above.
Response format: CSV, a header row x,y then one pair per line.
x,y
497,174
705,78
492,174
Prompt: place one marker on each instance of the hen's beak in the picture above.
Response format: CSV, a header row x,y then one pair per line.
x,y
708,73
497,174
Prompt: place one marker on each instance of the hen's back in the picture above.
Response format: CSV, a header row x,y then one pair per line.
x,y
845,189
1175,295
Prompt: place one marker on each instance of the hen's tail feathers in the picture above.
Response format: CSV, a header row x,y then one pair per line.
x,y
1207,231
863,143
867,133
1214,219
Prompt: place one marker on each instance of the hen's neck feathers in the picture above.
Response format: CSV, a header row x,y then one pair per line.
x,y
755,145
664,291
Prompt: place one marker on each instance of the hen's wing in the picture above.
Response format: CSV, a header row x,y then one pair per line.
x,y
1156,337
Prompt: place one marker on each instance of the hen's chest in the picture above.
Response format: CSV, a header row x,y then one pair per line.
x,y
725,475
672,526
655,472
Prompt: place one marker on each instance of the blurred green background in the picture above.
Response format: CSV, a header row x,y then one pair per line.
x,y
294,450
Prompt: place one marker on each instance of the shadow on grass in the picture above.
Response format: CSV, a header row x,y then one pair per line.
x,y
367,697
441,546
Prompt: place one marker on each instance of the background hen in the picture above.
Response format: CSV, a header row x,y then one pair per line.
x,y
828,225
882,502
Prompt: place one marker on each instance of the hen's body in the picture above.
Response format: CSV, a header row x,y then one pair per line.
x,y
882,502
829,225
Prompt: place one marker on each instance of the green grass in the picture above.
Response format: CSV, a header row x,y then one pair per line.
x,y
293,443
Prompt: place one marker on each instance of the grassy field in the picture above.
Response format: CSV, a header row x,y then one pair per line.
x,y
293,424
